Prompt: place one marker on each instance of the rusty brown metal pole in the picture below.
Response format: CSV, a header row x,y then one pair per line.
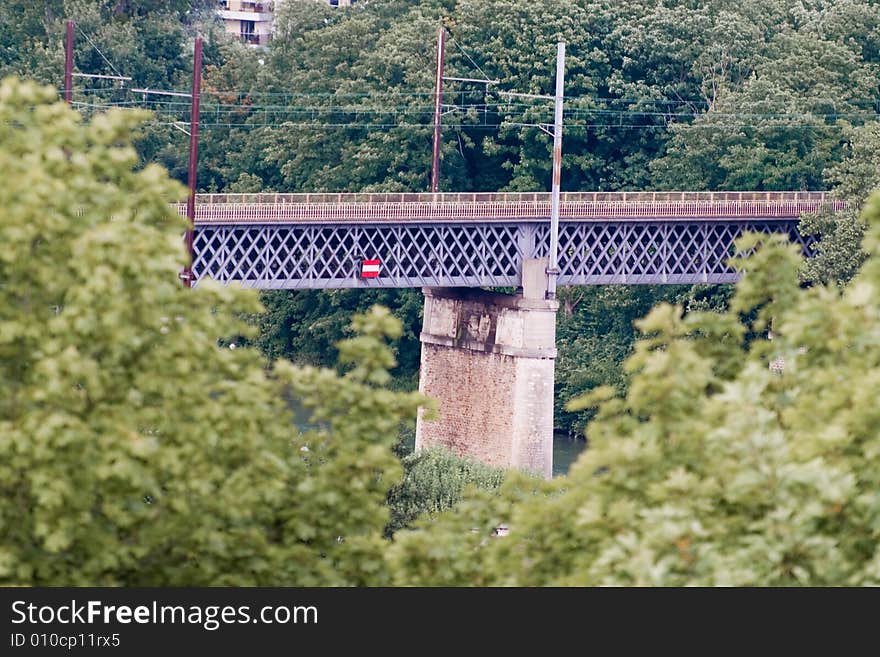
x,y
187,274
438,98
553,260
68,63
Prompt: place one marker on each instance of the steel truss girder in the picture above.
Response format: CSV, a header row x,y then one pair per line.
x,y
315,256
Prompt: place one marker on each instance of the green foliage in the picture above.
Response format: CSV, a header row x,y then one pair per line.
x,y
758,95
715,468
779,100
142,39
839,255
435,480
25,45
304,326
365,77
151,42
595,333
134,449
712,468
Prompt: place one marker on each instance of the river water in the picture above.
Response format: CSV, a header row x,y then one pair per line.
x,y
565,452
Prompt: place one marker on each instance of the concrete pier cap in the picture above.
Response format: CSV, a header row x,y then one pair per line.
x,y
488,359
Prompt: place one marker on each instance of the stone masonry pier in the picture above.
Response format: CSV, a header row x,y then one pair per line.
x,y
488,360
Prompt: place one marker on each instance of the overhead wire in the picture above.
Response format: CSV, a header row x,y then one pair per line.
x,y
229,108
571,102
584,113
98,50
470,59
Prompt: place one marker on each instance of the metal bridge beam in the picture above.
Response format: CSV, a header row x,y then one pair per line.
x,y
320,256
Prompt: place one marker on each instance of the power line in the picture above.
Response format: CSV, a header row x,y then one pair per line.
x,y
476,66
475,126
376,114
573,102
109,63
495,108
570,100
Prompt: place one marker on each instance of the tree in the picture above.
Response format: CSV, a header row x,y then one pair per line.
x,y
147,41
24,41
721,465
781,120
838,252
304,326
595,333
142,39
435,480
139,444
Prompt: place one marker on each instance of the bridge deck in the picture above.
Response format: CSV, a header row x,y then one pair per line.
x,y
225,209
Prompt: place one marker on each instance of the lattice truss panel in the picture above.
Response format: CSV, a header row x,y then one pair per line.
x,y
472,255
652,252
322,256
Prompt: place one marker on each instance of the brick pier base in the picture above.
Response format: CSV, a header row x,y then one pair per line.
x,y
488,360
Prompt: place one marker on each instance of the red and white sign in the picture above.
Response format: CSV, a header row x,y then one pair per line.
x,y
370,269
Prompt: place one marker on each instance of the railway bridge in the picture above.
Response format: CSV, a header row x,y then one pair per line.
x,y
488,358
311,241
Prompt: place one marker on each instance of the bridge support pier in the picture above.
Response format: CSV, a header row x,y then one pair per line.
x,y
488,360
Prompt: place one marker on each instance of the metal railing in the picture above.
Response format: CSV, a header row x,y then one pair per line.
x,y
506,206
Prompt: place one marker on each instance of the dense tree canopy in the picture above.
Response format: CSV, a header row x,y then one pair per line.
x,y
760,95
138,445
